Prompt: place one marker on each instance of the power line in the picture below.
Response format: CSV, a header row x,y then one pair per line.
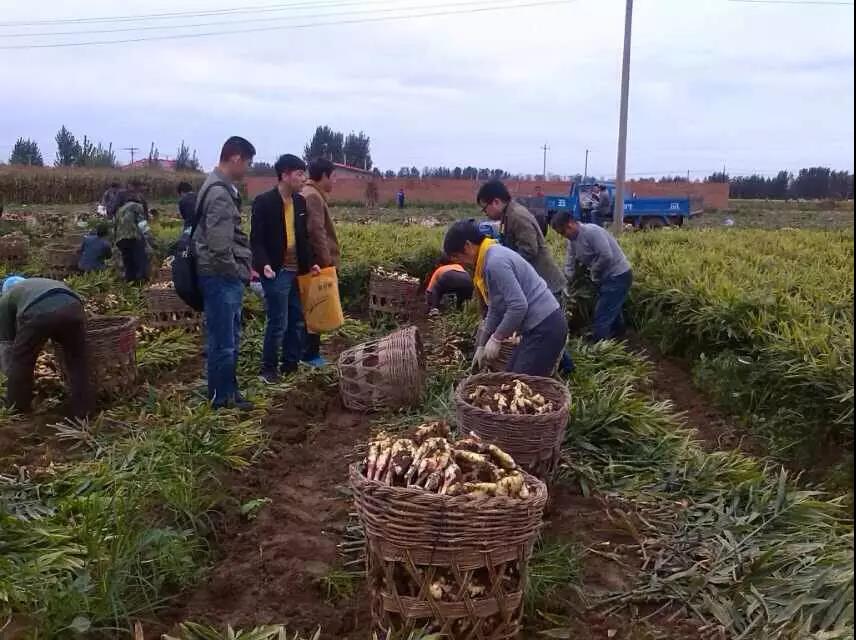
x,y
279,6
369,12
308,25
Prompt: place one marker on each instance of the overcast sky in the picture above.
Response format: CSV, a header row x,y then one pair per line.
x,y
713,83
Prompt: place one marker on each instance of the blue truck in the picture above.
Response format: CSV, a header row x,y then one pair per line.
x,y
642,213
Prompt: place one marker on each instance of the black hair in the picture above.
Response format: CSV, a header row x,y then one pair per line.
x,y
102,229
288,163
560,220
492,190
237,146
184,187
459,234
321,167
115,185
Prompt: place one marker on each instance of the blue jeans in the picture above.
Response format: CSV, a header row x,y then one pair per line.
x,y
285,328
608,312
223,299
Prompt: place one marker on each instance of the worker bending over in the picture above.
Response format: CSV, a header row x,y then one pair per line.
x,y
596,248
518,301
448,279
33,311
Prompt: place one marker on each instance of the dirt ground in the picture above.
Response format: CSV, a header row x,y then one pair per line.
x,y
270,569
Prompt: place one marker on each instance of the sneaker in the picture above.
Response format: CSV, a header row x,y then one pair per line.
x,y
269,376
242,404
318,362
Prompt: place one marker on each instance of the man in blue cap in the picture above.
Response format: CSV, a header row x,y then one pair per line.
x,y
33,311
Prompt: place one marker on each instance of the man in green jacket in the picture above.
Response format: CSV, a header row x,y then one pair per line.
x,y
520,232
133,236
33,311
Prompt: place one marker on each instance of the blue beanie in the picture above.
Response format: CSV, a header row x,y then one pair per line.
x,y
11,281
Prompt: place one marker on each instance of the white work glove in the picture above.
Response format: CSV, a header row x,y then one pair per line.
x,y
492,349
478,359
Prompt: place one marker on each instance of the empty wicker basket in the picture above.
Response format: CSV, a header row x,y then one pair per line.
x,y
111,342
383,374
388,295
166,309
14,250
457,566
59,260
533,440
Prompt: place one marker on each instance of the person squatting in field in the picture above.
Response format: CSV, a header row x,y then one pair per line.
x,y
33,311
448,279
521,232
518,301
223,256
596,248
281,251
322,237
95,249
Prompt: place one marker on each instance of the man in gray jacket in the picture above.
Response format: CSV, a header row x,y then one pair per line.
x,y
223,255
596,248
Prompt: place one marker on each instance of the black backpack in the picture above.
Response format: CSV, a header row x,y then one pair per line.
x,y
184,276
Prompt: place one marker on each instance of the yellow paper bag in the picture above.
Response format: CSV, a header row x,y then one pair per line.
x,y
319,295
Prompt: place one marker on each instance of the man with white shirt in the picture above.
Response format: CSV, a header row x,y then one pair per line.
x,y
596,248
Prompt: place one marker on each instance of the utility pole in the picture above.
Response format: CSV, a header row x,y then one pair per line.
x,y
585,171
545,149
621,173
133,150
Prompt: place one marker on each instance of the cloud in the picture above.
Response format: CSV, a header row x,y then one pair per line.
x,y
712,83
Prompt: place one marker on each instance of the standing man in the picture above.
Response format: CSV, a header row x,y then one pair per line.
x,y
281,251
186,203
33,311
322,237
602,212
132,236
108,200
596,248
400,198
520,232
223,257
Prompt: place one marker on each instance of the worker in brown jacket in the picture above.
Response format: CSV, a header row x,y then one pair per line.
x,y
322,236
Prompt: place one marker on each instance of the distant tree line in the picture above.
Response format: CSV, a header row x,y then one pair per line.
x,y
814,183
353,149
71,152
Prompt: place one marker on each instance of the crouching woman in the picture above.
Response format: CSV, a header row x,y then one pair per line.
x,y
518,301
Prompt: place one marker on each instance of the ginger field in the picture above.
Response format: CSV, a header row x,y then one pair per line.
x,y
161,516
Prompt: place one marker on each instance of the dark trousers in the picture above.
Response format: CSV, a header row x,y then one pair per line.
x,y
457,283
134,259
285,329
608,312
312,346
224,299
540,349
65,325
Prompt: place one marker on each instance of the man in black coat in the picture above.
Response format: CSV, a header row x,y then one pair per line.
x,y
281,250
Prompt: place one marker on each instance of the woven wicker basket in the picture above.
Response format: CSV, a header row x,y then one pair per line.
x,y
111,342
14,250
166,309
534,441
60,260
479,546
383,374
387,295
